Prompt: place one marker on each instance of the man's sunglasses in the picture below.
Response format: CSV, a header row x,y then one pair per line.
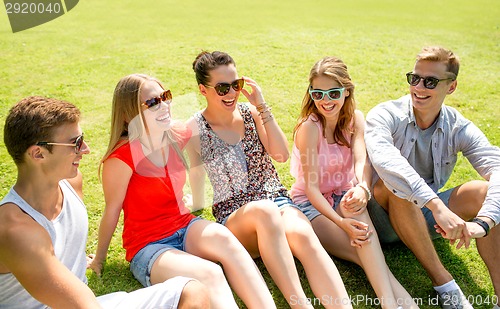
x,y
333,94
78,144
223,88
429,81
154,103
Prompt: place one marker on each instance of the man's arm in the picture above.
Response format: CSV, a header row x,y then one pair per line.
x,y
402,179
26,251
449,224
395,171
485,159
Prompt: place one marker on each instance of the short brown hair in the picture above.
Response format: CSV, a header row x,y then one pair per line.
x,y
440,54
34,119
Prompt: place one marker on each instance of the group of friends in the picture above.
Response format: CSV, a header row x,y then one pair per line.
x,y
357,184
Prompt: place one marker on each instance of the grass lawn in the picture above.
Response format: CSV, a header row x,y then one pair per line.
x,y
81,56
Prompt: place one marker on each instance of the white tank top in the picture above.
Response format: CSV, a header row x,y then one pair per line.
x,y
69,235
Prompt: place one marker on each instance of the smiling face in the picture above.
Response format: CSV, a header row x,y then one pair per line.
x,y
429,101
156,118
326,107
63,160
221,74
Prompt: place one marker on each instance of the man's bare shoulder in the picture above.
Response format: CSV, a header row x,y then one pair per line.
x,y
21,237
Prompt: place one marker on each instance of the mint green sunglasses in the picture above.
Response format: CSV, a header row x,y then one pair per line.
x,y
333,94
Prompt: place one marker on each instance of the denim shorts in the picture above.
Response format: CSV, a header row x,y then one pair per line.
x,y
386,233
143,261
283,201
280,201
311,212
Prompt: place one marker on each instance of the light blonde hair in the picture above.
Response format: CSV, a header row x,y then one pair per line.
x,y
335,69
126,107
440,54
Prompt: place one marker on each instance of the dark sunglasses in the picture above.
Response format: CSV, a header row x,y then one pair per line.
x,y
333,94
154,103
78,144
223,88
429,81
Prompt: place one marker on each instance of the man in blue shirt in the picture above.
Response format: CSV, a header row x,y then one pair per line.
x,y
413,144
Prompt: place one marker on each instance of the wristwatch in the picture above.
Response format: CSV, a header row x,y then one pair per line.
x,y
483,224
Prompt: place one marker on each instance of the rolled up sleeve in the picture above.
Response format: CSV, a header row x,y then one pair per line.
x,y
485,158
392,167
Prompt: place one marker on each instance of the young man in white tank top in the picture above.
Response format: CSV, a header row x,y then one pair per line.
x,y
44,222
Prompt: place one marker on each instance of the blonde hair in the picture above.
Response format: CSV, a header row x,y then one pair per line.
x,y
440,54
126,107
335,69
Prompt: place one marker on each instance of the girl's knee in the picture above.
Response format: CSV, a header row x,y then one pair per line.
x,y
211,274
221,234
301,233
263,211
363,217
226,243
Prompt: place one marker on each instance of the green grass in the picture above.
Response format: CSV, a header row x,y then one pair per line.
x,y
81,56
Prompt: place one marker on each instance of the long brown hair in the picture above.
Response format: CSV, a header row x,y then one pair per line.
x,y
335,69
126,106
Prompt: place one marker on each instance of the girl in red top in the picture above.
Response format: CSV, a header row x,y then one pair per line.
x,y
143,173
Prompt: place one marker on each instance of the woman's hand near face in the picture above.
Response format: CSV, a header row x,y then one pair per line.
x,y
255,97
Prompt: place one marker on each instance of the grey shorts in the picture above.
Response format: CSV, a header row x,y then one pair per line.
x,y
386,233
143,261
311,212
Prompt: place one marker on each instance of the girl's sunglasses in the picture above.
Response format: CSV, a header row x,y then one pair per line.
x,y
154,103
223,88
333,94
78,144
429,81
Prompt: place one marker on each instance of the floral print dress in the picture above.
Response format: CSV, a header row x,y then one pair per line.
x,y
239,173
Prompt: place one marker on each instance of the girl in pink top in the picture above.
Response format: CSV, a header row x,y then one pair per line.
x,y
333,177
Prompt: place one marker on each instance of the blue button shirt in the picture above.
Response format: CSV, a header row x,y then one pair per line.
x,y
390,135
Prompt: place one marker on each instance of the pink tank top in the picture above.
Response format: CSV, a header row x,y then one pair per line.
x,y
336,168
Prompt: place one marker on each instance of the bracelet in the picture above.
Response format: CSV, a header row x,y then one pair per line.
x,y
269,115
264,118
483,224
367,191
261,107
267,119
267,109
